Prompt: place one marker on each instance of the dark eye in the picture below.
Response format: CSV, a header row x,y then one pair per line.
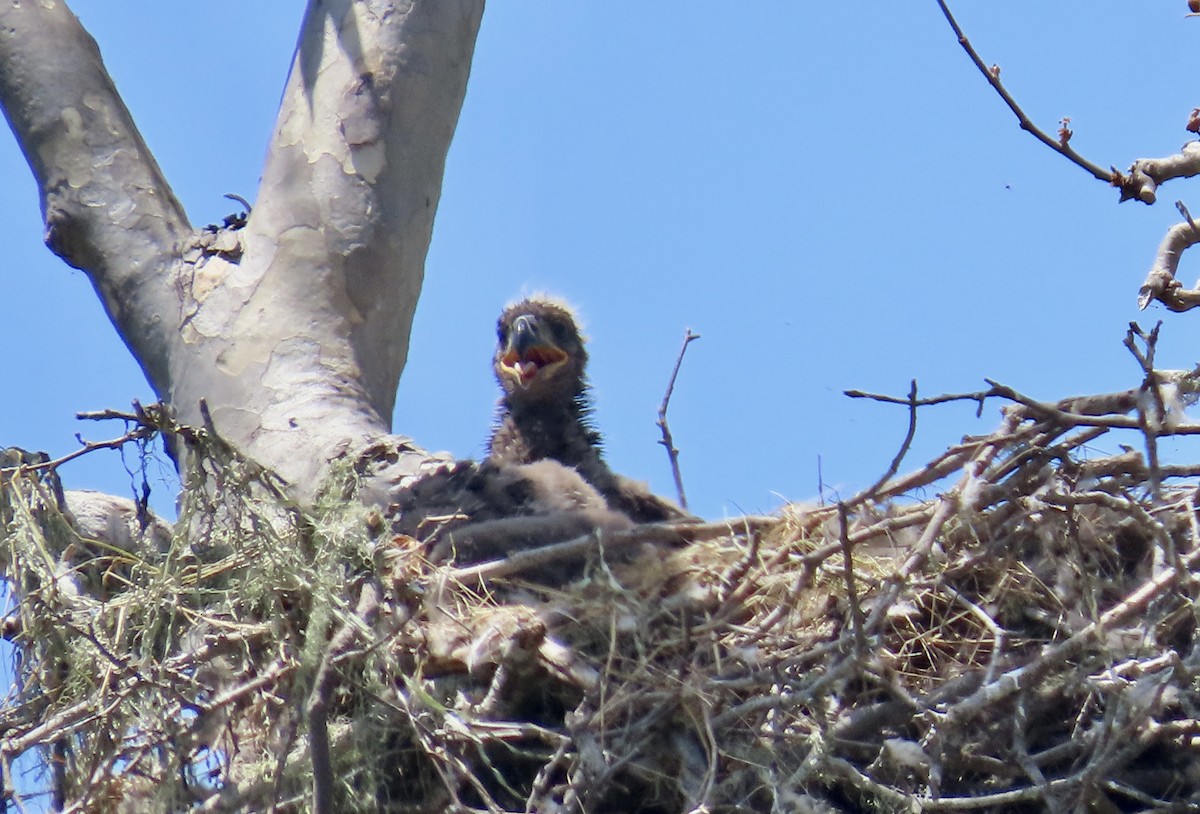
x,y
501,332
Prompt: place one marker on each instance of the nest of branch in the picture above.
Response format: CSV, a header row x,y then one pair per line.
x,y
1024,641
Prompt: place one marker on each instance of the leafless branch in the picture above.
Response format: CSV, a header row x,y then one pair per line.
x,y
669,534
1161,283
1060,145
1139,183
856,614
905,445
317,706
667,441
1150,424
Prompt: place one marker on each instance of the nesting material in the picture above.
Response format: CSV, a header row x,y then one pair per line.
x,y
1022,639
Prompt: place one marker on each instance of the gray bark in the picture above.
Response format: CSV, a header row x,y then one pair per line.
x,y
293,330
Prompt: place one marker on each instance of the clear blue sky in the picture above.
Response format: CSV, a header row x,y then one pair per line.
x,y
828,193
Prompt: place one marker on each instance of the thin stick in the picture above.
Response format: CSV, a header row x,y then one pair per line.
x,y
1150,428
1183,210
239,199
856,613
317,706
904,447
1060,145
667,441
978,396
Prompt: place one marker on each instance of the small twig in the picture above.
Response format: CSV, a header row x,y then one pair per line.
x,y
1183,210
979,396
269,676
1059,145
1149,426
1021,744
239,199
317,706
664,533
856,614
905,445
998,633
667,441
736,576
136,434
540,789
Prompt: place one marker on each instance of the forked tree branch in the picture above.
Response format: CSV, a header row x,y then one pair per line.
x,y
1139,183
1161,283
293,328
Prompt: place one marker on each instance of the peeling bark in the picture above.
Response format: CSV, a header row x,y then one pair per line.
x,y
108,210
295,332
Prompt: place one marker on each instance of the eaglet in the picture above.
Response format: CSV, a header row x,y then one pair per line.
x,y
545,408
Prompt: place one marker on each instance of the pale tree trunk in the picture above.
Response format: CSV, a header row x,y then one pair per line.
x,y
293,330
286,337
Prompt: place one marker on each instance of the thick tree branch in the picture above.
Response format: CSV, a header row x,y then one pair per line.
x,y
297,344
1160,283
108,210
353,177
1147,174
293,329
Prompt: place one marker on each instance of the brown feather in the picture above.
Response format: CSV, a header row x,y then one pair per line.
x,y
545,407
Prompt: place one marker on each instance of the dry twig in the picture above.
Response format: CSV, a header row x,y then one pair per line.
x,y
667,441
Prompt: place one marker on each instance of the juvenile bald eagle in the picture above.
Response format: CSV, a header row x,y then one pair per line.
x,y
545,409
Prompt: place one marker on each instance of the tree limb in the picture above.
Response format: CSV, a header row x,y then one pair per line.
x,y
668,440
1061,145
354,172
1160,283
293,328
108,209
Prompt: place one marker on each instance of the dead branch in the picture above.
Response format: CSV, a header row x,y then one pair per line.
x,y
1161,283
317,707
1017,638
667,441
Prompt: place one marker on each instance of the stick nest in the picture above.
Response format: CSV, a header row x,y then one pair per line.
x,y
1023,639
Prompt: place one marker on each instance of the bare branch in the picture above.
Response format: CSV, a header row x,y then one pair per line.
x,y
894,467
856,614
1147,174
1160,283
667,441
354,173
317,707
979,396
1150,424
1060,145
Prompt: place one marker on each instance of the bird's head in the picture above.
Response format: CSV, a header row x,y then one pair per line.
x,y
539,354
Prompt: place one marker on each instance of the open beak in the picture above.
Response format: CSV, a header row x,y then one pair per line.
x,y
528,354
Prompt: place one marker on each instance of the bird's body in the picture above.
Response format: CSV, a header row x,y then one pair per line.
x,y
545,409
544,479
